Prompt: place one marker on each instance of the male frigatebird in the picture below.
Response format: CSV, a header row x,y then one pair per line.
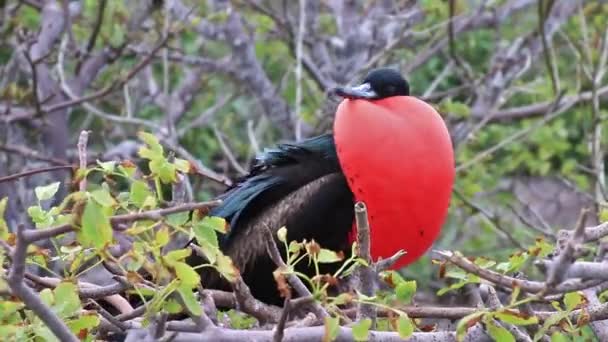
x,y
389,150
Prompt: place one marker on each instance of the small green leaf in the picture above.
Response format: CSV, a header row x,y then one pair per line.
x,y
361,329
182,165
205,234
178,219
226,268
515,318
103,197
171,306
85,322
178,254
45,333
163,169
328,256
7,308
107,167
573,299
47,296
405,291
67,302
4,232
152,142
47,192
216,223
405,327
295,247
549,322
559,337
499,333
189,300
162,236
186,274
332,328
139,192
39,216
96,229
466,322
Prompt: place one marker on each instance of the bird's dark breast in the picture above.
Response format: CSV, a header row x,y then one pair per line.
x,y
321,210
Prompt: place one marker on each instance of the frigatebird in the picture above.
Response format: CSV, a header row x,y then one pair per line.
x,y
388,149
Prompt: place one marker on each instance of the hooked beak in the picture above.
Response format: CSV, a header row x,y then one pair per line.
x,y
363,91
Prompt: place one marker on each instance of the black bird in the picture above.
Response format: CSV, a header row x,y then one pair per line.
x,y
299,185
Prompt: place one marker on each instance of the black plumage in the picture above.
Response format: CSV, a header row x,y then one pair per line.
x,y
298,185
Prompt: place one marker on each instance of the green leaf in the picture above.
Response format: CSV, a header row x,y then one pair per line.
x,y
216,223
515,318
328,256
103,197
4,232
189,300
178,254
549,322
164,170
332,328
178,219
85,322
7,308
361,329
96,229
573,299
45,333
47,296
405,327
47,192
466,322
499,333
295,247
39,216
559,337
162,236
172,306
67,302
107,167
226,268
182,165
205,234
139,192
405,291
186,274
152,142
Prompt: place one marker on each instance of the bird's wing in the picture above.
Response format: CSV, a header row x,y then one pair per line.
x,y
275,174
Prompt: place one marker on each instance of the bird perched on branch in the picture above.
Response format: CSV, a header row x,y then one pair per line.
x,y
388,149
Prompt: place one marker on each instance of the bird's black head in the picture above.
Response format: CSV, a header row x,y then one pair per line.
x,y
378,84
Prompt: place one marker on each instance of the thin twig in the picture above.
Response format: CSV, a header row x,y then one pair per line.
x,y
367,279
280,327
82,157
35,171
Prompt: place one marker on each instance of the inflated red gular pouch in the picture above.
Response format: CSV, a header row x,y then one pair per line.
x,y
398,158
